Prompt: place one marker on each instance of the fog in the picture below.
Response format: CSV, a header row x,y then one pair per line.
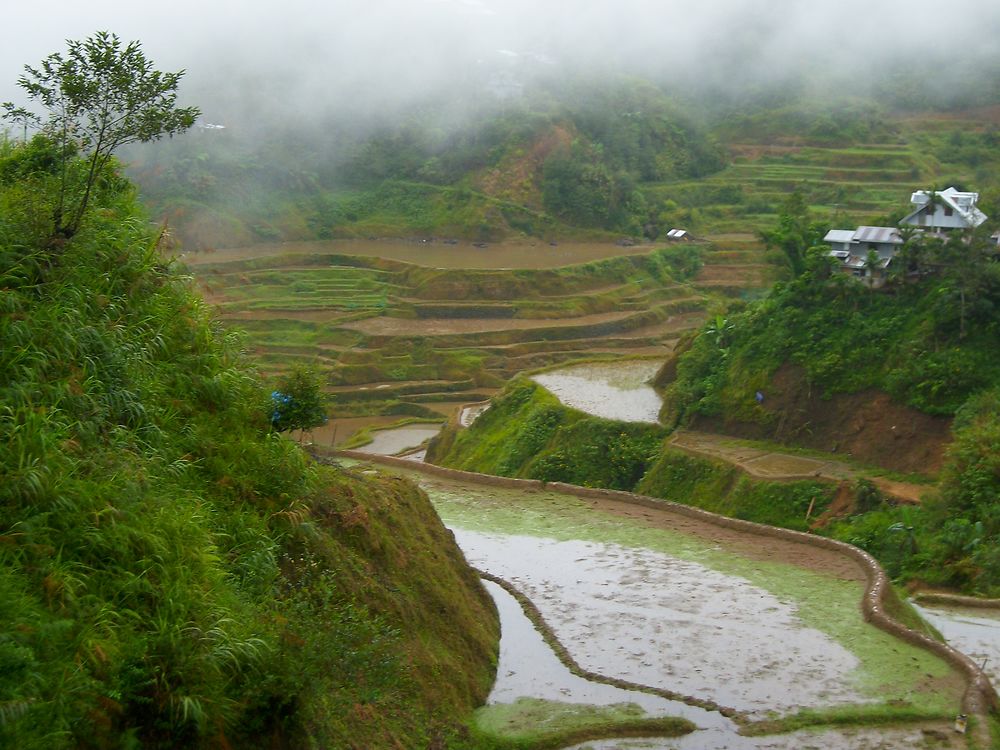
x,y
299,59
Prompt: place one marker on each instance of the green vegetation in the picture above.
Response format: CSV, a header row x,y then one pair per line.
x,y
565,161
574,161
298,401
527,433
928,340
540,724
723,488
172,572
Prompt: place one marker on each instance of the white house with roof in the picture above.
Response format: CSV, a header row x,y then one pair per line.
x,y
853,247
944,210
937,212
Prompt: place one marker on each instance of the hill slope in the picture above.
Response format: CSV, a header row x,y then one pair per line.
x,y
172,573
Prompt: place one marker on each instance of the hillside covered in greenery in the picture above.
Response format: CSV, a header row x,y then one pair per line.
x,y
904,379
173,573
597,159
565,160
823,351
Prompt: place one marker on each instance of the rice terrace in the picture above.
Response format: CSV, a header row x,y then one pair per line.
x,y
494,375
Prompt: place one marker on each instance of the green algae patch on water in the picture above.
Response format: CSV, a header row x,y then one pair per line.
x,y
535,723
889,672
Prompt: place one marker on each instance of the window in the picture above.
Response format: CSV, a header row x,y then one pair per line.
x,y
948,211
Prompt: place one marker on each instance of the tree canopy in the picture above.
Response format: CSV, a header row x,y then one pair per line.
x,y
97,97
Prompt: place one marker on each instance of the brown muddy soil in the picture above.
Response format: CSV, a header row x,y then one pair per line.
x,y
866,426
510,254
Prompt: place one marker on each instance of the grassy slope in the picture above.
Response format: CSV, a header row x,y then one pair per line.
x,y
528,433
171,574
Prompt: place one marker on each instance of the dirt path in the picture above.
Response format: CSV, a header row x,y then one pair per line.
x,y
767,464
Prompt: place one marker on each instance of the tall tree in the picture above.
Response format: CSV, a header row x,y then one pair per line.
x,y
97,97
796,232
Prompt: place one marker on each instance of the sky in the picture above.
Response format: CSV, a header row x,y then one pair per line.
x,y
294,55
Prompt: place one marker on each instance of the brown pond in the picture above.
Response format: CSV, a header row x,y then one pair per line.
x,y
435,254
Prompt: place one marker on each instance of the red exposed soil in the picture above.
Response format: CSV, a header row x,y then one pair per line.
x,y
866,426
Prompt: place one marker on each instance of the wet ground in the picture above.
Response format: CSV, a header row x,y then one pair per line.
x,y
612,390
528,668
652,619
470,413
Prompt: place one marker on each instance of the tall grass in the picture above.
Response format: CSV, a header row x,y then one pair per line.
x,y
170,571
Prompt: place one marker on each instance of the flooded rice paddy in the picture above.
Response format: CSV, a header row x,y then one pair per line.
x,y
973,631
434,254
528,668
612,390
395,440
652,619
765,627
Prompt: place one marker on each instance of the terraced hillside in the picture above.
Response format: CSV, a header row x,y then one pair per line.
x,y
401,339
849,179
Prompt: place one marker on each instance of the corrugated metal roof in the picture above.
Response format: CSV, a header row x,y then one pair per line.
x,y
878,234
839,235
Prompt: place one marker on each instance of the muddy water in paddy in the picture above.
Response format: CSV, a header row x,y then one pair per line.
x,y
434,254
764,625
612,390
652,619
973,631
395,440
528,667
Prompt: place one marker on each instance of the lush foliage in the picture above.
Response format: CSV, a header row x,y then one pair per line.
x,y
929,343
526,432
172,572
929,340
561,161
725,489
298,403
953,539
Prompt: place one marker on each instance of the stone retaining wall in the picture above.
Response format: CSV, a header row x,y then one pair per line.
x,y
980,696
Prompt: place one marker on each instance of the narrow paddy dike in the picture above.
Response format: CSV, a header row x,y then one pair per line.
x,y
786,556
